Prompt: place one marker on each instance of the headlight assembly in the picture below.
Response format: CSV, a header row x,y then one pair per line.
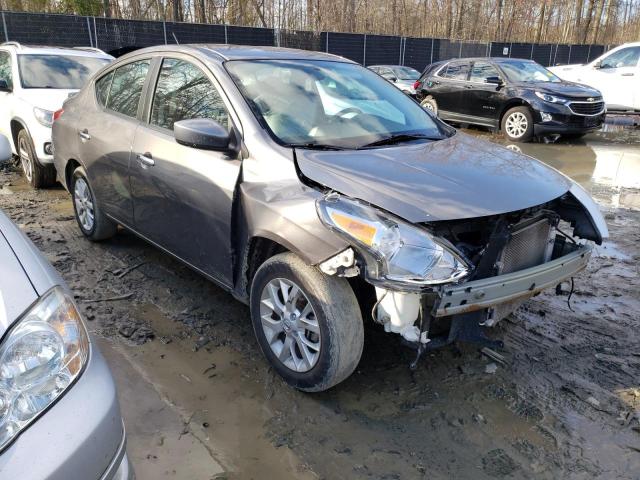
x,y
45,117
397,251
551,98
40,357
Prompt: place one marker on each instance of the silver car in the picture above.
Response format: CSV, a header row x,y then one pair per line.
x,y
59,414
402,77
313,190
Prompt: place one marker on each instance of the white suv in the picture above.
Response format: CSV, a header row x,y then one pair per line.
x,y
34,83
616,74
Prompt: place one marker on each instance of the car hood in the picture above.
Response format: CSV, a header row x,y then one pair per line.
x,y
16,291
564,89
456,178
47,98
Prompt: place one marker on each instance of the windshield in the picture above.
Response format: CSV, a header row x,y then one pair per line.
x,y
58,71
328,103
406,73
526,71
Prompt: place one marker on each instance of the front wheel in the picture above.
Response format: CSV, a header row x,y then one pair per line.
x,y
517,124
38,176
307,324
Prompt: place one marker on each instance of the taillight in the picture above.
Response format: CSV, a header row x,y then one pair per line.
x,y
57,114
416,84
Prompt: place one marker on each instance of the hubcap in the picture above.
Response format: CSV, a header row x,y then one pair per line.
x,y
84,204
25,159
290,325
428,105
516,124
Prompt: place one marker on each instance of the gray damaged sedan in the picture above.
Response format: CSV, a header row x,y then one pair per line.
x,y
59,414
320,195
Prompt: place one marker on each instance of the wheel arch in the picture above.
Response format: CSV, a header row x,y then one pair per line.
x,y
69,168
16,125
514,102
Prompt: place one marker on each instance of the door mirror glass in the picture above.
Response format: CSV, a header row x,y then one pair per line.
x,y
494,80
5,149
204,134
4,87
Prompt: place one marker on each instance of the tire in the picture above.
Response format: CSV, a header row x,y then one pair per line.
x,y
429,103
333,331
38,176
517,124
93,223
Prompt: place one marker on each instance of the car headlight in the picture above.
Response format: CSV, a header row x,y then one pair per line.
x,y
551,98
399,251
45,117
40,357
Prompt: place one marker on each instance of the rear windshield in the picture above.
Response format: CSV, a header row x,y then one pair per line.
x,y
406,73
57,71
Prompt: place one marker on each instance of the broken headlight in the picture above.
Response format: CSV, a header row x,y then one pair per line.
x,y
401,252
40,357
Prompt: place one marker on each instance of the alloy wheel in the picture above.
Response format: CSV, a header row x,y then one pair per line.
x,y
290,325
25,159
516,124
84,204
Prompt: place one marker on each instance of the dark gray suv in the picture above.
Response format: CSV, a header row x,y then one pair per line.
x,y
295,179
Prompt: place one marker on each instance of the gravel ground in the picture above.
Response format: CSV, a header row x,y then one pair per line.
x,y
564,404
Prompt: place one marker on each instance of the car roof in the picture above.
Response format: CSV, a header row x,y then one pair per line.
x,y
49,50
224,52
391,66
488,59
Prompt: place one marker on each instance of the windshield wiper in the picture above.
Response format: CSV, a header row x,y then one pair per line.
x,y
402,137
315,146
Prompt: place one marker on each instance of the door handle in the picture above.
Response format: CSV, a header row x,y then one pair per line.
x,y
146,160
628,74
84,134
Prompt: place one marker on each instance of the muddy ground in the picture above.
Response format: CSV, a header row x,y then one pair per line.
x,y
200,402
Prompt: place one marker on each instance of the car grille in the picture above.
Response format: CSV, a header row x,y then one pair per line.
x,y
587,108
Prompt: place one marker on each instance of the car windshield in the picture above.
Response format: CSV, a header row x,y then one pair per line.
x,y
526,71
406,73
58,71
328,103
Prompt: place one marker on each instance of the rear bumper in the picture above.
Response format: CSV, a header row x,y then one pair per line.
x,y
520,285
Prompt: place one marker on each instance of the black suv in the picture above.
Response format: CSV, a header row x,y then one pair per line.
x,y
519,96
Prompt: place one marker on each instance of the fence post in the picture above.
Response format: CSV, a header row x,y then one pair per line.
x,y
164,30
364,51
4,24
588,54
226,39
89,31
550,53
431,61
400,57
510,48
95,31
569,60
531,56
488,54
326,48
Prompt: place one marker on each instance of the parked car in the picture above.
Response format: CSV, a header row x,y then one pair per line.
x,y
236,161
616,74
59,414
519,97
402,77
34,81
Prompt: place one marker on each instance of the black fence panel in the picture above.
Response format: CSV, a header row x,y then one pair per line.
x,y
348,45
418,52
303,39
521,50
595,52
542,53
45,29
114,34
579,53
562,55
473,49
194,33
447,49
250,36
383,49
499,49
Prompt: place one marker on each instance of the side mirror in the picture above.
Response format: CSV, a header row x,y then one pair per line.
x,y
205,134
5,149
4,86
597,65
494,80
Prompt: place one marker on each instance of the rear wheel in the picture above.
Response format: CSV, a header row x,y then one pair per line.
x,y
307,324
94,224
429,103
517,124
38,176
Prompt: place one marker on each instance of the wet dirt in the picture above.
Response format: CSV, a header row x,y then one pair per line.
x,y
566,404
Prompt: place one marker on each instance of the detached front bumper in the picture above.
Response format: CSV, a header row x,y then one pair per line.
x,y
520,285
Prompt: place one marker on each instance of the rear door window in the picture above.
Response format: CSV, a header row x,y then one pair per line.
x,y
102,89
184,92
455,71
126,88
